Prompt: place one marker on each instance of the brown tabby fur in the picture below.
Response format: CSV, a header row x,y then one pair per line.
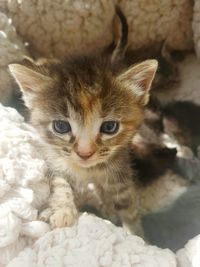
x,y
87,91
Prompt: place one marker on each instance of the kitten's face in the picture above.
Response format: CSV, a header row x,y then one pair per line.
x,y
85,113
89,124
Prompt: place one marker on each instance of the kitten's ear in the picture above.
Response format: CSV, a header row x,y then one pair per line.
x,y
139,79
30,81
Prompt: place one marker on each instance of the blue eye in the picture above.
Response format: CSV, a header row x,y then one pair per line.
x,y
61,127
109,127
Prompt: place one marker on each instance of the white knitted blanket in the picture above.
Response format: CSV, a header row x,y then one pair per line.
x,y
24,241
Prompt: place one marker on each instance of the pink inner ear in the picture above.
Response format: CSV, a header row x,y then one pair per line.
x,y
27,88
145,83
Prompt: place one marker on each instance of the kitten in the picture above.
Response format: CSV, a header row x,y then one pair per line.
x,y
87,110
151,161
181,122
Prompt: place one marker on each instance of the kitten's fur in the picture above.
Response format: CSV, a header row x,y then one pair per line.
x,y
178,119
181,122
85,91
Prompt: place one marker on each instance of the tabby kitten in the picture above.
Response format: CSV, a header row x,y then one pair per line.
x,y
87,110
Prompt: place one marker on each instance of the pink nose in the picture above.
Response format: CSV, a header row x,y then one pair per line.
x,y
85,154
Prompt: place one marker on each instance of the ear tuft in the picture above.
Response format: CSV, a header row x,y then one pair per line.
x,y
27,61
139,78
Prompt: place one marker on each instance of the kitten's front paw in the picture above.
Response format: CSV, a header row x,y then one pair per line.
x,y
63,217
45,215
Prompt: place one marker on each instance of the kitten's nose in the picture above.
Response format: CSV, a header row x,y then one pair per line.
x,y
85,154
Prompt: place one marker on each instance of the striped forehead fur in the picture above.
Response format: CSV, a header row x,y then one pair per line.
x,y
82,83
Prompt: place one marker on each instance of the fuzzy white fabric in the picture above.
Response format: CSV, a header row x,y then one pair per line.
x,y
11,49
189,256
93,242
22,186
58,28
90,242
156,21
61,27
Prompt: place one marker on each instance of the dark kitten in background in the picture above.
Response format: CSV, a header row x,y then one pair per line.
x,y
181,121
178,119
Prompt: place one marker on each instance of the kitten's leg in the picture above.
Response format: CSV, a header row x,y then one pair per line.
x,y
62,210
130,217
134,201
127,207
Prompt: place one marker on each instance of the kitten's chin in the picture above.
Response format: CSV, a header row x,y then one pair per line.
x,y
87,163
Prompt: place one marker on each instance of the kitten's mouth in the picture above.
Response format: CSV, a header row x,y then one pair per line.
x,y
87,163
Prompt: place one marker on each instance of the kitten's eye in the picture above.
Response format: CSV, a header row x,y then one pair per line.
x,y
61,127
109,127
